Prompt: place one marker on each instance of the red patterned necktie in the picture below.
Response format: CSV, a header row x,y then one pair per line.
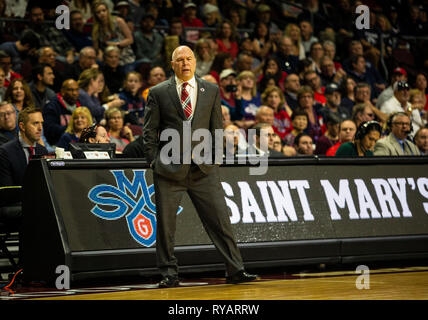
x,y
30,152
185,101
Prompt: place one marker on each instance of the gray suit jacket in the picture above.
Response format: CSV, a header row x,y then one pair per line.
x,y
389,146
164,111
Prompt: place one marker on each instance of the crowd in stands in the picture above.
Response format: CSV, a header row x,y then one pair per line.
x,y
300,67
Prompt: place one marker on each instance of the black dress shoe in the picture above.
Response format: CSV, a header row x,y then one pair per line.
x,y
169,282
241,276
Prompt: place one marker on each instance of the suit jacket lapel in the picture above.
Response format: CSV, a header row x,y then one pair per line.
x,y
172,91
199,100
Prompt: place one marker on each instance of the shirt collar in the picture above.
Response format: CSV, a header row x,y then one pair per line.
x,y
25,144
191,82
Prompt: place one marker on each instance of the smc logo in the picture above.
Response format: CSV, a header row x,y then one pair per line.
x,y
130,198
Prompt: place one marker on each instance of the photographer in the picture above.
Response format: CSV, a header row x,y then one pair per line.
x,y
229,93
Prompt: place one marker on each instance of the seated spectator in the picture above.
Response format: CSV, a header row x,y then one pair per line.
x,y
368,133
271,67
362,113
189,19
15,154
48,35
250,98
211,15
204,57
292,30
225,116
8,124
176,30
363,94
245,61
330,52
312,79
81,118
226,39
231,141
421,140
417,101
222,61
86,60
265,114
60,69
399,74
329,73
308,37
399,102
316,53
288,62
361,73
94,134
304,145
331,136
333,105
397,142
43,78
148,42
420,83
274,98
2,87
131,94
118,133
113,73
291,88
277,143
299,120
306,101
262,43
77,35
19,94
109,30
28,43
228,88
347,88
347,130
57,112
89,87
5,64
262,142
156,75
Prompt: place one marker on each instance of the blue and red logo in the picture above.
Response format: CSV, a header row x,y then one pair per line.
x,y
133,199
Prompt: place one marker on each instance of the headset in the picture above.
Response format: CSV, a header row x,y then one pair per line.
x,y
365,127
393,115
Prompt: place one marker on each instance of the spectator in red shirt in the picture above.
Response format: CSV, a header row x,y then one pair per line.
x,y
226,39
189,19
313,80
5,64
347,130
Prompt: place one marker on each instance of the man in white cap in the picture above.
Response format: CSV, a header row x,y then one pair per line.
x,y
398,74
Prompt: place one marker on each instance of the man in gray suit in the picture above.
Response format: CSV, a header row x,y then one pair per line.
x,y
396,143
171,105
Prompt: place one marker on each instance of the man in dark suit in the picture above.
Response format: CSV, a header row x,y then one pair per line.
x,y
15,154
183,100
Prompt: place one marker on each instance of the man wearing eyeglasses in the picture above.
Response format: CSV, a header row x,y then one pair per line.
x,y
396,143
8,128
399,102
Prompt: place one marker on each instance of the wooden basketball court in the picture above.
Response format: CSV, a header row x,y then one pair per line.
x,y
403,283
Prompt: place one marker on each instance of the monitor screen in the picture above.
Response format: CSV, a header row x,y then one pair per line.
x,y
78,149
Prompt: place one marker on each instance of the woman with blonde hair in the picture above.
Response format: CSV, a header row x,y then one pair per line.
x,y
292,30
110,30
118,133
250,98
81,118
90,82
